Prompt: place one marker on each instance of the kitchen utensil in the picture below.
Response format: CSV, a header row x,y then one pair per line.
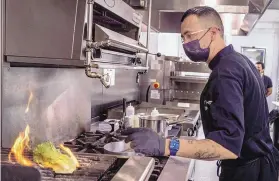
x,y
120,148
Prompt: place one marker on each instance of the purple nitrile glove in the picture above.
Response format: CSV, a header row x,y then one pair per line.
x,y
145,141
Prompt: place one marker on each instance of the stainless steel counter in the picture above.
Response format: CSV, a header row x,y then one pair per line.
x,y
178,169
140,169
135,169
146,108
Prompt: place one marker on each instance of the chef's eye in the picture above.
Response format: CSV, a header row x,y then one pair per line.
x,y
188,37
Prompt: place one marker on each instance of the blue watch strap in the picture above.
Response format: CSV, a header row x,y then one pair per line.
x,y
174,146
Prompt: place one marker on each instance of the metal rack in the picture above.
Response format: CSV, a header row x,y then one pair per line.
x,y
187,80
180,81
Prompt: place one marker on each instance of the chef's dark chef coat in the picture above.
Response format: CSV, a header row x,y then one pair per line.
x,y
267,82
234,109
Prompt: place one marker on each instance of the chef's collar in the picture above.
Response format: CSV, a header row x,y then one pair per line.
x,y
225,51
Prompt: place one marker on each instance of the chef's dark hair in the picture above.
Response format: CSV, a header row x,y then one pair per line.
x,y
261,63
205,12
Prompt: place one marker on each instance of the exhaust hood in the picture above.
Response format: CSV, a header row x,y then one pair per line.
x,y
239,16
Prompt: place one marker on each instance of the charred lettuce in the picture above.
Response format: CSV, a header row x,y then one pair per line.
x,y
48,156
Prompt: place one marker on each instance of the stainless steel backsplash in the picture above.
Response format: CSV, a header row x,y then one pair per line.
x,y
63,103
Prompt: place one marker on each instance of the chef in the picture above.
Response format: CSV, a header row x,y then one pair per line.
x,y
266,80
233,108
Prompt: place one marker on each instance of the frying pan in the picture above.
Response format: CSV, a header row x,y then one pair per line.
x,y
120,148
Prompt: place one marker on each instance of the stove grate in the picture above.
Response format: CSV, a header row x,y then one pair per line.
x,y
92,167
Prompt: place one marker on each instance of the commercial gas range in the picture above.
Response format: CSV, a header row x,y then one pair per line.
x,y
93,143
97,166
94,164
162,168
92,168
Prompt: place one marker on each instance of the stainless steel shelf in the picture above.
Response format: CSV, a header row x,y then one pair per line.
x,y
190,79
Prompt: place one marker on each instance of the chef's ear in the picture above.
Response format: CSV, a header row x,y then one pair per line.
x,y
215,31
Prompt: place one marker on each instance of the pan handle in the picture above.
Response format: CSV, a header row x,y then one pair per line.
x,y
178,121
140,154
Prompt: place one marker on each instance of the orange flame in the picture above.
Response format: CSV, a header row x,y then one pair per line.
x,y
20,144
29,102
69,152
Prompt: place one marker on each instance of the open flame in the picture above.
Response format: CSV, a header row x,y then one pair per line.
x,y
29,102
66,163
72,156
20,145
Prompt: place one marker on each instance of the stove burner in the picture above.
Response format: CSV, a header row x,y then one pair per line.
x,y
160,162
92,167
89,142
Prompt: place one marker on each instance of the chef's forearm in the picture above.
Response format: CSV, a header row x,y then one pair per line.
x,y
269,92
201,150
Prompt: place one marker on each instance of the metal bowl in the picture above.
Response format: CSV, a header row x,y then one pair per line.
x,y
119,148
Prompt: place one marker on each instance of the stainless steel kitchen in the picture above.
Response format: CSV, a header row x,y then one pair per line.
x,y
77,74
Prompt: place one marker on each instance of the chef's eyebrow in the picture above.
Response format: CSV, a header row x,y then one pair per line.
x,y
184,33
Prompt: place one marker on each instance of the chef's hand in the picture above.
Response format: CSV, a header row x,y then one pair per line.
x,y
145,141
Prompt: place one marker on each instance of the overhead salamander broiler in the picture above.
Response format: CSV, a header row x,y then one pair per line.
x,y
75,33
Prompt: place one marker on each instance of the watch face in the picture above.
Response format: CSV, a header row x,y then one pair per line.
x,y
174,145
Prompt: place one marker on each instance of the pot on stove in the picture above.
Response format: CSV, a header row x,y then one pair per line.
x,y
161,124
156,123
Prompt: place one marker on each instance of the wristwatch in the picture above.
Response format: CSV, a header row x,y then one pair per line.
x,y
174,146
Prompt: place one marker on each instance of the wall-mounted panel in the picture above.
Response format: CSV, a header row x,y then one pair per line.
x,y
125,87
